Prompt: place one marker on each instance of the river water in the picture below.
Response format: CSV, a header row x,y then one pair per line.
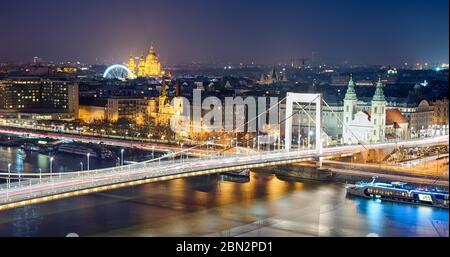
x,y
212,206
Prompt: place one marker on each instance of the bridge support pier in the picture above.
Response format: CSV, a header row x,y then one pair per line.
x,y
319,162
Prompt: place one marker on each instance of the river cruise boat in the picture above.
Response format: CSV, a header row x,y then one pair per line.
x,y
41,146
400,192
94,151
77,150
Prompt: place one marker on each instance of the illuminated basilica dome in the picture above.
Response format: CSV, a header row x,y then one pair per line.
x,y
146,67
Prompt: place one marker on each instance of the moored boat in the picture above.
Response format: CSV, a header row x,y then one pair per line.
x,y
238,173
400,192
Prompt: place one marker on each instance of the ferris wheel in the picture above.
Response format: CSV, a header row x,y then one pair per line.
x,y
118,71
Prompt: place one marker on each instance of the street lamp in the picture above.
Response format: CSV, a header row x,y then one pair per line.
x,y
299,140
181,145
310,133
51,167
258,142
121,157
88,155
9,175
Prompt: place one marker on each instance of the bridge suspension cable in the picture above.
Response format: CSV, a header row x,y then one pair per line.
x,y
253,119
174,154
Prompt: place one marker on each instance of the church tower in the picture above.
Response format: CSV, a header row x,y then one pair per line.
x,y
141,66
163,95
132,64
378,113
163,89
350,108
274,76
177,100
164,109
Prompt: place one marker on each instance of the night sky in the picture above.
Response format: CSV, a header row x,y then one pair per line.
x,y
226,31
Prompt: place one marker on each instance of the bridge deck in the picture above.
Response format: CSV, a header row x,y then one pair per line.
x,y
78,183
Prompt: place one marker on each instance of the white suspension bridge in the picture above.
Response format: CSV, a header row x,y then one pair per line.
x,y
32,188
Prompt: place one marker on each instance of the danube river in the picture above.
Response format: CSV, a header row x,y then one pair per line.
x,y
213,206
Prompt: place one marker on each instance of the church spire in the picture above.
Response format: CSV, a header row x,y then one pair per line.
x,y
273,73
132,63
141,65
163,89
379,94
152,48
351,93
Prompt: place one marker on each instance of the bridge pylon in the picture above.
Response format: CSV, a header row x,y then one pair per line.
x,y
292,98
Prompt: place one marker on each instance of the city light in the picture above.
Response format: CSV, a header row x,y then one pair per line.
x,y
236,119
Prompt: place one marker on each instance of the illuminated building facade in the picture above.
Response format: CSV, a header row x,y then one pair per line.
x,y
440,115
420,117
49,98
136,109
146,67
92,111
128,104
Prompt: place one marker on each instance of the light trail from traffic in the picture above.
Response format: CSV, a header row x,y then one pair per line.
x,y
60,185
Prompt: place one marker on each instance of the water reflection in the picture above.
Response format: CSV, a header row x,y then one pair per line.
x,y
375,217
265,205
27,221
386,217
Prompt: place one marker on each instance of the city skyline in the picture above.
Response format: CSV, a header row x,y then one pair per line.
x,y
379,32
224,118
